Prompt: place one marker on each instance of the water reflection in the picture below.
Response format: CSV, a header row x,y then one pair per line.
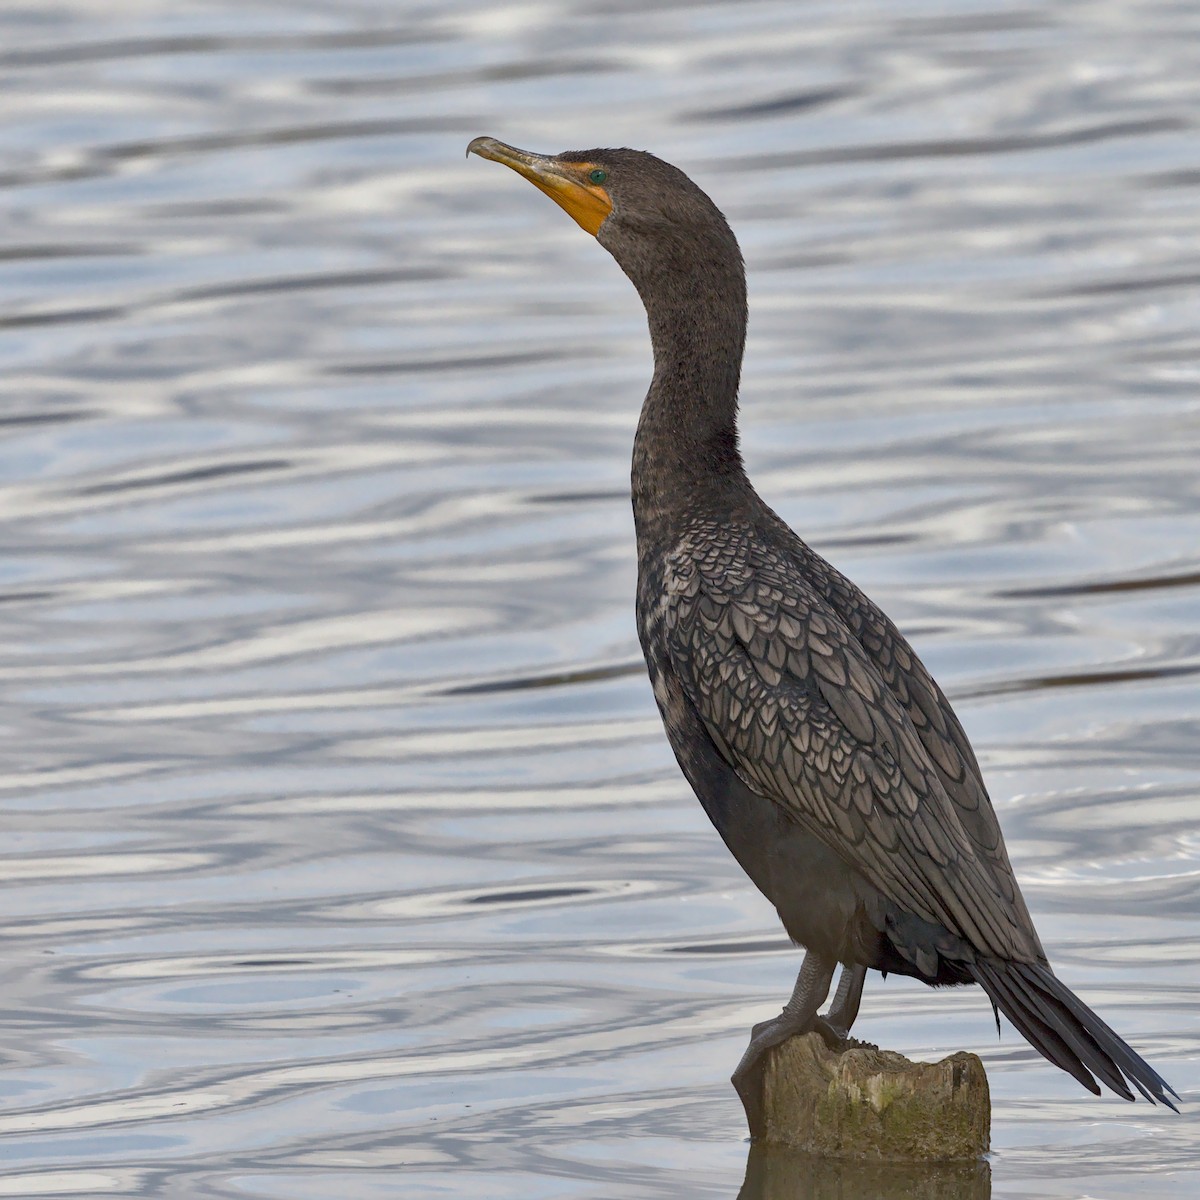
x,y
777,1174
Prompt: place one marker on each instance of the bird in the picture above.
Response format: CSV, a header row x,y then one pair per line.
x,y
821,748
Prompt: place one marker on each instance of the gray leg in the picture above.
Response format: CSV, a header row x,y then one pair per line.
x,y
844,1008
799,1015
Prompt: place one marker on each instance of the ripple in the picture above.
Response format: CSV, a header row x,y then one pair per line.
x,y
594,674
961,147
703,948
1184,579
449,902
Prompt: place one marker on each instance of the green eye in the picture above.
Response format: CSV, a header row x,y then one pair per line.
x,y
598,176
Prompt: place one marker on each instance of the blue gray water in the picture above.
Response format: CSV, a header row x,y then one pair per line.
x,y
343,853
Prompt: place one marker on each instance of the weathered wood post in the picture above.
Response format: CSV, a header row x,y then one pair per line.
x,y
866,1103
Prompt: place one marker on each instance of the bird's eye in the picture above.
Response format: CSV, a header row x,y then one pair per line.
x,y
598,176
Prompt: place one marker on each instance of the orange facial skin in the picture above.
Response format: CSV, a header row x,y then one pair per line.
x,y
567,184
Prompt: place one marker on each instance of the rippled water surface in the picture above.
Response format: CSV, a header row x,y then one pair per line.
x,y
344,854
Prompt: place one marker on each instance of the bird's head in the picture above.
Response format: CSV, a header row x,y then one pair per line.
x,y
645,212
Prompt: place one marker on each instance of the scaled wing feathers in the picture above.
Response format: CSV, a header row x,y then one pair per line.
x,y
798,708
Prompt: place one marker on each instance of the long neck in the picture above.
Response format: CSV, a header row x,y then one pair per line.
x,y
686,449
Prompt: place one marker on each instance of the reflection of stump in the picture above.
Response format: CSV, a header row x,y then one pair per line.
x,y
776,1173
871,1104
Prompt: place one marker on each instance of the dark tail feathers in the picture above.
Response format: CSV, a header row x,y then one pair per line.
x,y
1056,1023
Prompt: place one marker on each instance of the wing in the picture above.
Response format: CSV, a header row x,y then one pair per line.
x,y
798,709
936,724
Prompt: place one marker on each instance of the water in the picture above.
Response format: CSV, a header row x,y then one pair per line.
x,y
344,854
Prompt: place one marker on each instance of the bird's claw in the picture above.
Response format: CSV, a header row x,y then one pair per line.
x,y
765,1036
833,1037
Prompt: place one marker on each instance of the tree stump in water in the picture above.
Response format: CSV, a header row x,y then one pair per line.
x,y
866,1103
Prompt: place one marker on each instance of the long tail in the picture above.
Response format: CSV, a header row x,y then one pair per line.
x,y
1056,1023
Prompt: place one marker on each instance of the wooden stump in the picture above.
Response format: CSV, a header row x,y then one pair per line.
x,y
866,1103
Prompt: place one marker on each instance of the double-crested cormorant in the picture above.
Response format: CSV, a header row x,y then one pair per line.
x,y
819,745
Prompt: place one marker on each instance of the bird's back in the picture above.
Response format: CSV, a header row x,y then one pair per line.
x,y
937,725
817,703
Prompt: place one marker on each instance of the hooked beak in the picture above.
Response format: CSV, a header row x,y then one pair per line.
x,y
565,183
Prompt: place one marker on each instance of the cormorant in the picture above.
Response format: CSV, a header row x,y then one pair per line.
x,y
821,748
